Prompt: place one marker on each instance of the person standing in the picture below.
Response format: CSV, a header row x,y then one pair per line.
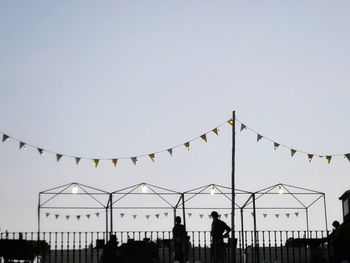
x,y
180,241
219,231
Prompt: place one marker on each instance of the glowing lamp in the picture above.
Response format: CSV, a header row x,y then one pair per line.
x,y
144,188
75,189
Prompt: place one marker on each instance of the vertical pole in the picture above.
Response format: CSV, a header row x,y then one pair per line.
x,y
255,232
183,209
307,223
242,238
111,213
233,248
106,223
325,212
39,216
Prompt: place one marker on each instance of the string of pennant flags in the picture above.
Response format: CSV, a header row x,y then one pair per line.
x,y
187,145
166,214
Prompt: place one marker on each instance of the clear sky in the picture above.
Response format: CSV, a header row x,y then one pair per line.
x,y
123,78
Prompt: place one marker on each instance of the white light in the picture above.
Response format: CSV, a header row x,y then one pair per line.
x,y
280,190
75,189
144,188
212,190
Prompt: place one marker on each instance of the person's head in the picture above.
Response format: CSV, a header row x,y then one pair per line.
x,y
214,215
336,224
177,220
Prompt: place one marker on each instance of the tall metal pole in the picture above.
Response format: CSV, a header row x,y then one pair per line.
x,y
111,214
233,247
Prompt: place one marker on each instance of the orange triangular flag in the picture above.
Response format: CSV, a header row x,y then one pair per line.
x,y
114,162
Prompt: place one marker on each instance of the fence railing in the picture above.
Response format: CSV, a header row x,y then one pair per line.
x,y
262,246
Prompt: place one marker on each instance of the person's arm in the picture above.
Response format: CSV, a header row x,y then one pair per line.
x,y
228,230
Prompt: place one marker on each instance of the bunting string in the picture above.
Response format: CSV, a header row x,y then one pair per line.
x,y
187,145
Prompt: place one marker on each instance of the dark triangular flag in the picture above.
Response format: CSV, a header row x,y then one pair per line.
x,y
57,216
347,156
58,157
147,216
114,162
152,156
5,137
187,145
40,151
78,217
134,216
204,137
277,215
215,130
296,214
201,216
170,151
77,160
189,214
67,217
166,214
258,137
287,215
122,215
276,145
265,215
243,126
21,145
226,215
134,160
309,156
88,216
157,216
329,158
292,152
47,214
97,214
96,161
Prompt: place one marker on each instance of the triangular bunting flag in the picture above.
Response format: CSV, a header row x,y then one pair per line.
x,y
204,137
152,156
88,216
287,215
209,216
22,145
5,137
226,215
296,214
78,217
166,214
329,158
96,161
292,152
47,214
57,216
187,145
170,151
201,216
277,215
114,162
309,156
134,216
258,137
252,213
40,151
157,216
189,214
134,160
147,216
243,126
58,157
276,145
215,130
265,215
77,160
122,215
97,214
231,122
67,217
347,156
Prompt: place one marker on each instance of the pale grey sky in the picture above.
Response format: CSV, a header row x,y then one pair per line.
x,y
123,78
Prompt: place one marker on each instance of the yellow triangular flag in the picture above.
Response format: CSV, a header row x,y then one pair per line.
x,y
204,137
152,156
187,145
329,158
96,161
292,152
114,162
215,130
231,122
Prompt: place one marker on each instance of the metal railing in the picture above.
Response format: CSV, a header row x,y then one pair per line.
x,y
263,246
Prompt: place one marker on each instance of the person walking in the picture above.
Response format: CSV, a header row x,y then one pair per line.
x,y
180,241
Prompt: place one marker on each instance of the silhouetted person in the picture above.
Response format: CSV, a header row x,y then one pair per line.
x,y
110,250
219,230
180,241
